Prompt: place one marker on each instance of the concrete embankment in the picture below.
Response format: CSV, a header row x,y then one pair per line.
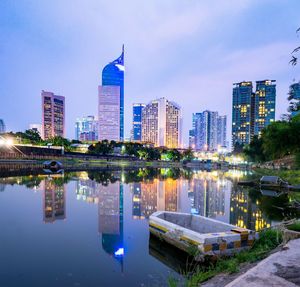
x,y
279,269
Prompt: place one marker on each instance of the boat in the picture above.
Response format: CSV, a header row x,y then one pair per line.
x,y
268,181
205,236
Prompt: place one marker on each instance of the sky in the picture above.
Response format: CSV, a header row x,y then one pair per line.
x,y
188,51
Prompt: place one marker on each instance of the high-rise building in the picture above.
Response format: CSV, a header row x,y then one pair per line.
x,y
137,122
36,127
263,106
241,112
161,123
294,97
113,75
222,131
209,131
252,112
53,115
86,129
2,127
109,113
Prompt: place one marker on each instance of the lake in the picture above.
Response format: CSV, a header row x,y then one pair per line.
x,y
90,228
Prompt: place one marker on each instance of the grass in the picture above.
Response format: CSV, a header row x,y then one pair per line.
x,y
269,239
295,226
292,176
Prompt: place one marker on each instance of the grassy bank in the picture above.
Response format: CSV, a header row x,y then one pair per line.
x,y
269,240
292,176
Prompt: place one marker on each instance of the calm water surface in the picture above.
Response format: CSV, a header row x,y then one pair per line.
x,y
91,228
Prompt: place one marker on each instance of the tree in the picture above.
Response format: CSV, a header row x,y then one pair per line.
x,y
294,59
60,141
104,147
254,151
188,155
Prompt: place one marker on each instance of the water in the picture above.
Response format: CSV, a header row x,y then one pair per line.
x,y
90,228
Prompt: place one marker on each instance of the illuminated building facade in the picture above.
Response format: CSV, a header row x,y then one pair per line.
x,y
53,115
161,123
209,131
252,112
294,94
54,201
86,129
137,122
241,112
109,113
222,131
2,127
113,75
263,106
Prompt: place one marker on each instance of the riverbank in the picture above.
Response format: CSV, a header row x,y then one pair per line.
x,y
268,241
292,176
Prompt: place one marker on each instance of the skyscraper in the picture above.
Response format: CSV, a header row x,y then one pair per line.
x,y
161,123
222,131
209,131
252,112
241,112
53,119
109,113
137,122
113,75
86,129
263,106
2,127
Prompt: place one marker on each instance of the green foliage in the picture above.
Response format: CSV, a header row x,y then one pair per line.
x,y
295,226
268,240
60,141
188,155
294,59
103,148
254,151
277,140
172,282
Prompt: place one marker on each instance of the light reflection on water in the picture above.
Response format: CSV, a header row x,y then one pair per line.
x,y
100,219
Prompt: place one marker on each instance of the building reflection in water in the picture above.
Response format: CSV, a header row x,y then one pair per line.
x,y
212,194
209,192
245,212
54,198
110,210
159,195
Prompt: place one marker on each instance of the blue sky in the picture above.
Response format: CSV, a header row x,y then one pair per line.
x,y
187,51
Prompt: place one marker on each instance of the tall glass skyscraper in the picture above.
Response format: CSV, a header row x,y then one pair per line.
x,y
263,106
137,121
209,130
86,129
113,75
2,127
241,112
252,112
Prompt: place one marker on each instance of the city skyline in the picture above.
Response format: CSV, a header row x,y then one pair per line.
x,y
165,63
